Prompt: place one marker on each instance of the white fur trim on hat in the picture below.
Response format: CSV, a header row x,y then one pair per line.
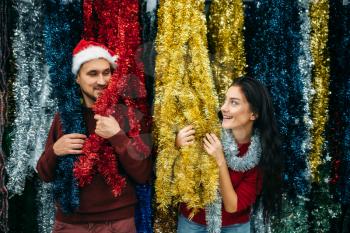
x,y
90,53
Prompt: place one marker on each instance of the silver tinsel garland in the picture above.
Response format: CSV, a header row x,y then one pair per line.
x,y
46,207
241,164
305,66
34,107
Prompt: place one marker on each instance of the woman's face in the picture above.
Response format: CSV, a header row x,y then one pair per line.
x,y
236,111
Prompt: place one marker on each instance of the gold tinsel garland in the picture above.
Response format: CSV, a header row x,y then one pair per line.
x,y
319,15
226,22
184,95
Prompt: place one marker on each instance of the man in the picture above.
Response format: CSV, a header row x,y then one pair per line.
x,y
99,210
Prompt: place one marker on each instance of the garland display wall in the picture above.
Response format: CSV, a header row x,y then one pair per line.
x,y
176,61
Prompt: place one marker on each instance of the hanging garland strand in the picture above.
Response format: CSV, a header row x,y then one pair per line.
x,y
185,96
319,15
226,23
116,25
32,91
46,207
339,41
323,208
305,68
62,31
3,105
148,20
273,54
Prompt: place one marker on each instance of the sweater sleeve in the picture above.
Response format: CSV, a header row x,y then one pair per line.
x,y
47,162
136,163
248,189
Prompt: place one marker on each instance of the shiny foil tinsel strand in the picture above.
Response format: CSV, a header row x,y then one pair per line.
x,y
62,30
184,95
338,129
148,21
226,42
344,73
323,209
319,15
272,48
294,216
108,23
305,68
273,38
4,49
46,207
29,92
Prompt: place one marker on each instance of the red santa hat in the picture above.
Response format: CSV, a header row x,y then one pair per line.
x,y
89,50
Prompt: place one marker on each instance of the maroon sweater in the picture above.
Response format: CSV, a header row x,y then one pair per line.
x,y
97,202
247,186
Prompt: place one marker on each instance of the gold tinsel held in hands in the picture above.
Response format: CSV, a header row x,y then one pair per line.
x,y
184,95
226,40
319,15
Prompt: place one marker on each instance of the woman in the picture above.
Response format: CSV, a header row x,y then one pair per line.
x,y
248,158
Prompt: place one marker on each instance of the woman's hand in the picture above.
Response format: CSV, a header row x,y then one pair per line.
x,y
106,127
213,147
69,144
185,136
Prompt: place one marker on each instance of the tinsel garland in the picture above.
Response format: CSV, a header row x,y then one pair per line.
x,y
226,21
339,129
319,16
116,25
32,94
250,160
323,208
62,31
293,218
184,95
4,54
46,207
273,53
148,21
338,132
305,68
277,55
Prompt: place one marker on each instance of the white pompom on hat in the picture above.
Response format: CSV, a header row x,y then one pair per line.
x,y
89,50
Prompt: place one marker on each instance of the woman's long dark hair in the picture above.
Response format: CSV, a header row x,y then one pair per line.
x,y
271,163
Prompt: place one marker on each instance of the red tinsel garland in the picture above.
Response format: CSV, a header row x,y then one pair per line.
x,y
115,24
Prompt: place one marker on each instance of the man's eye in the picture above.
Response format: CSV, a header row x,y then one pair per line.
x,y
107,72
92,73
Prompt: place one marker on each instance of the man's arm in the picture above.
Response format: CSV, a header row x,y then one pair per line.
x,y
47,162
68,144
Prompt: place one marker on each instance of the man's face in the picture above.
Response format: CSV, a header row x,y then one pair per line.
x,y
93,78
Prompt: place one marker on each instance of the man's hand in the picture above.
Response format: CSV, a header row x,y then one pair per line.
x,y
106,127
213,147
69,144
185,136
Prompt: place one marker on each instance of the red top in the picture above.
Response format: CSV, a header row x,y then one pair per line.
x,y
247,186
97,202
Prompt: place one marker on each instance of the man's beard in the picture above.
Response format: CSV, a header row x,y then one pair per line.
x,y
92,97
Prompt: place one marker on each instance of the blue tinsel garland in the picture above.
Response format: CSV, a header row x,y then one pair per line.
x,y
273,49
63,27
